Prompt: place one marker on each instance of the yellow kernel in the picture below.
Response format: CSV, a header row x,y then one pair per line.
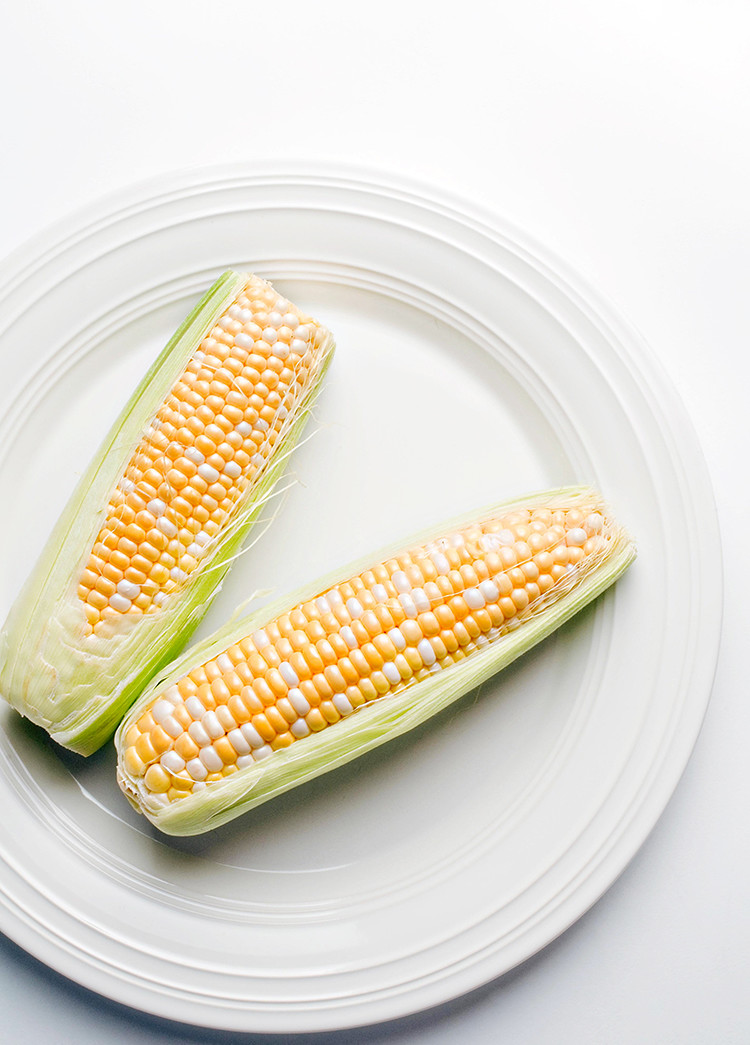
x,y
186,747
145,748
309,692
160,740
282,740
225,751
264,727
354,696
428,624
263,692
323,687
133,762
329,711
380,682
156,779
315,720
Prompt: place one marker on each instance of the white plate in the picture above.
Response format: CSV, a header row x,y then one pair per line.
x,y
470,367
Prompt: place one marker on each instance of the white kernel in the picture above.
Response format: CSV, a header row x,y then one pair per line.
x,y
298,701
342,704
303,332
474,598
243,340
426,652
160,598
280,350
238,742
290,320
212,725
391,672
401,581
232,469
506,537
198,786
270,335
440,562
262,752
120,603
126,485
251,735
288,673
349,637
196,769
260,639
167,527
223,663
457,540
593,523
170,725
244,315
576,537
354,608
172,761
243,428
298,345
257,460
420,600
226,718
202,538
397,638
198,733
379,593
407,604
490,591
275,319
261,425
157,507
299,728
172,694
193,454
177,574
211,759
244,761
194,708
161,709
335,598
194,549
128,589
207,472
225,322
323,604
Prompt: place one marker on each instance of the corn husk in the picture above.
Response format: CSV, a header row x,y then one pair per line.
x,y
76,685
385,718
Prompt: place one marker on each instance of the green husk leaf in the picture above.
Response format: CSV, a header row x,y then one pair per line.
x,y
75,685
383,719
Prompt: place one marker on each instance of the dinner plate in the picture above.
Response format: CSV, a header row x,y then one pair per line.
x,y
471,366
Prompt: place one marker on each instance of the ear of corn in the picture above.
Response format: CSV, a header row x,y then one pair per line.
x,y
361,656
154,523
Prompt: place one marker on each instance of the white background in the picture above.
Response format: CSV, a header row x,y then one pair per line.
x,y
617,134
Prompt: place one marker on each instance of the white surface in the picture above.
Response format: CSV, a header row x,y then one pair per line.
x,y
617,135
468,369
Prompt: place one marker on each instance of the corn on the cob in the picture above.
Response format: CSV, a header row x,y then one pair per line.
x,y
360,657
153,525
